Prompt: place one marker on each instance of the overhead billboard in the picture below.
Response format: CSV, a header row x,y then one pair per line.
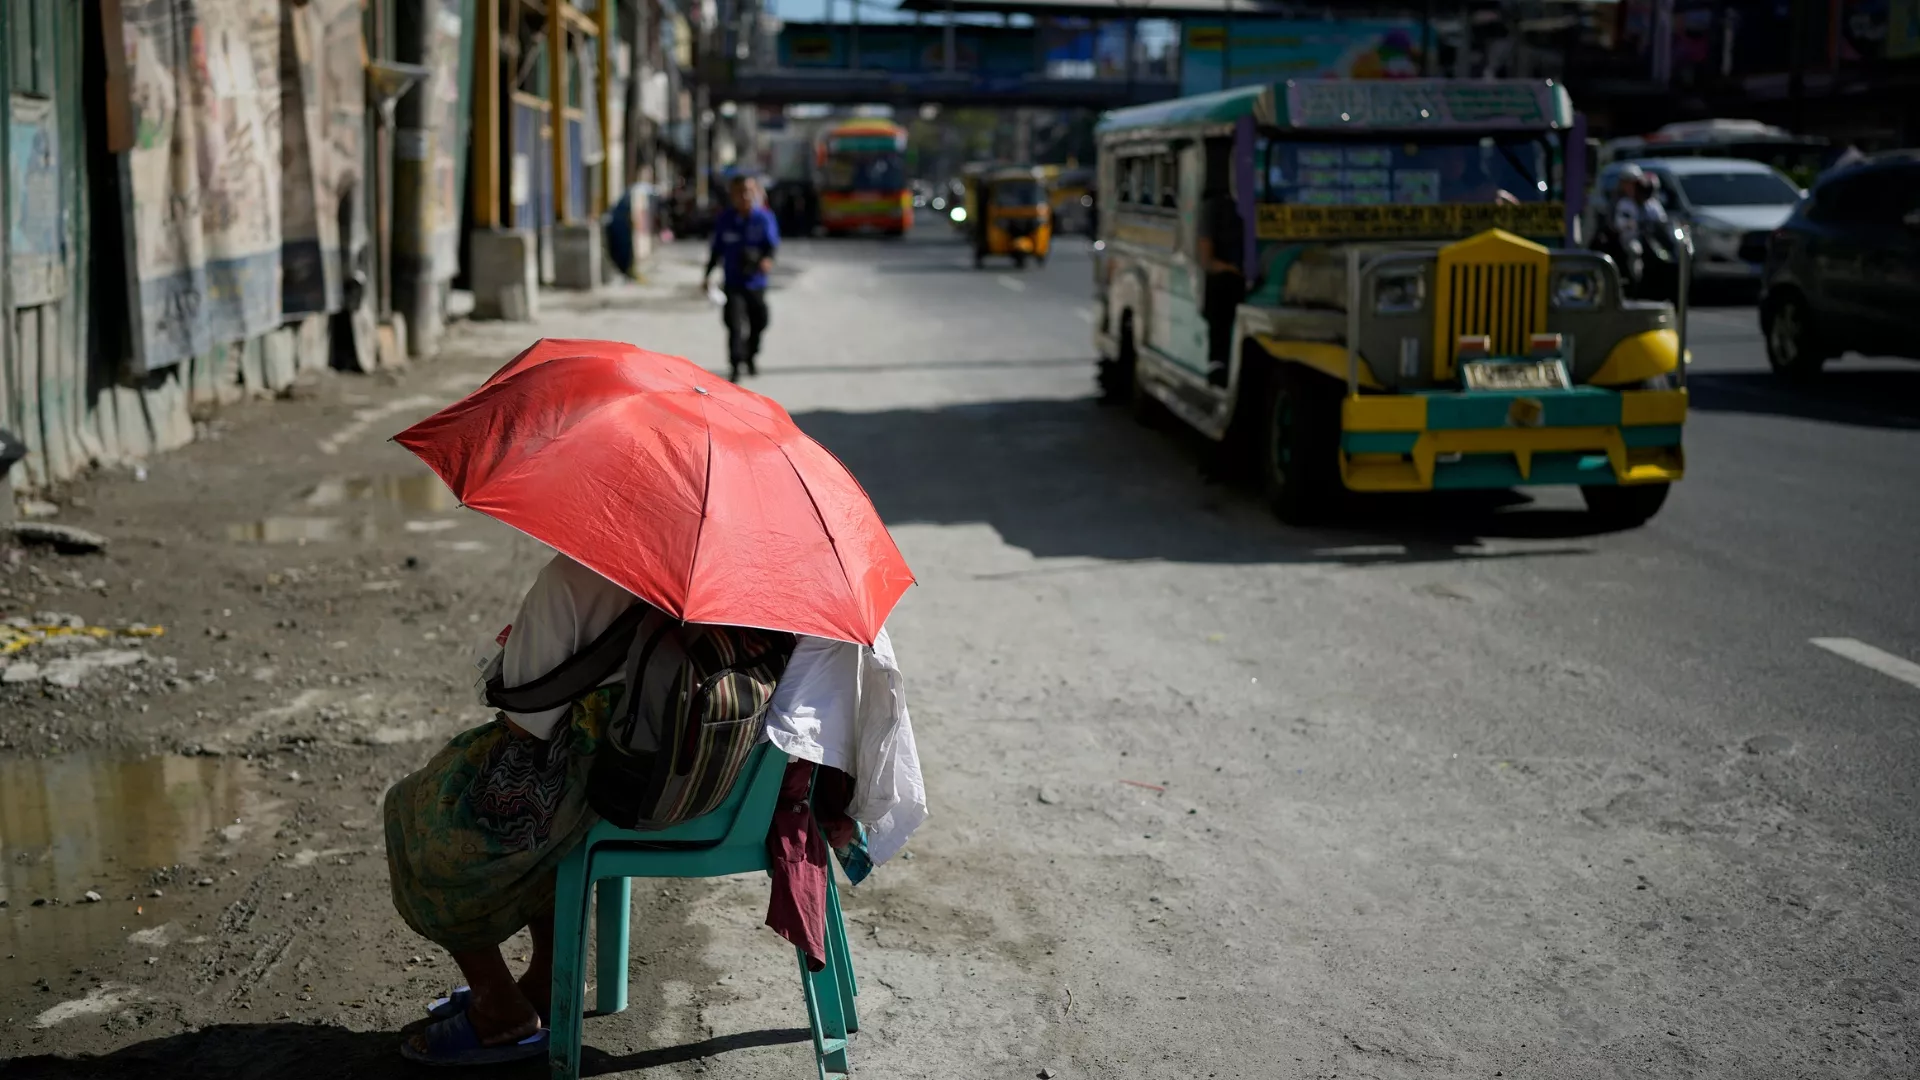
x,y
1217,55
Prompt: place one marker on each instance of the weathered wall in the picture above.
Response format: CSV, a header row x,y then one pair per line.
x,y
215,149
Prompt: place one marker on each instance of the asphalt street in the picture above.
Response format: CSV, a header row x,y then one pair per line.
x,y
1458,788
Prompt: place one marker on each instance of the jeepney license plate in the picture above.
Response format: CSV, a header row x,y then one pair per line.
x,y
1527,375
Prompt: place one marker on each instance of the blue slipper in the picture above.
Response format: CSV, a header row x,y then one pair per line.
x,y
453,1004
454,1042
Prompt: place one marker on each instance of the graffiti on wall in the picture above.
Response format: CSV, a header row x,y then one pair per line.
x,y
37,223
205,205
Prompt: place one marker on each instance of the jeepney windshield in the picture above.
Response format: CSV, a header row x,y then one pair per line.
x,y
1018,193
1386,172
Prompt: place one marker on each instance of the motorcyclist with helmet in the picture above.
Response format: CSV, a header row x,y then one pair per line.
x,y
1639,234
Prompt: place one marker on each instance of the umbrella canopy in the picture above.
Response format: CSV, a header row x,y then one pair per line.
x,y
698,496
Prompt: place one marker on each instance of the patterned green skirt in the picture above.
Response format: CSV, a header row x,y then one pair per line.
x,y
474,837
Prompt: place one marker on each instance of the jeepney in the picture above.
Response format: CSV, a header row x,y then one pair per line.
x,y
1411,319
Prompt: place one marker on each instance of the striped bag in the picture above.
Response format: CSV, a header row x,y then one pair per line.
x,y
690,711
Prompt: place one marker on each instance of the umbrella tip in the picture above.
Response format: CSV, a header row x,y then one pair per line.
x,y
699,389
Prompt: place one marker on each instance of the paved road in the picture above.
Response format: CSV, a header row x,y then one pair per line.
x,y
1461,789
1506,792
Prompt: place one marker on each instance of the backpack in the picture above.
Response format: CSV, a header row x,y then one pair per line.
x,y
687,716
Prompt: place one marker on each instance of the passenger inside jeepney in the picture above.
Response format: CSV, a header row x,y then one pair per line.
x,y
1222,251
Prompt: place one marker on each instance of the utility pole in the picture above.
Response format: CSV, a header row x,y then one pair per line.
x,y
946,45
1429,63
1226,48
1797,65
415,297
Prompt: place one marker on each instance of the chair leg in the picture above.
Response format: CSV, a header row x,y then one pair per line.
x,y
612,919
569,963
822,991
839,958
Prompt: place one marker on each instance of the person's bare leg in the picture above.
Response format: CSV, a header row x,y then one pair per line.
x,y
499,1012
536,984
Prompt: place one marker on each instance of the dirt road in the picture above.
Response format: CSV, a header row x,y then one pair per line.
x,y
1211,797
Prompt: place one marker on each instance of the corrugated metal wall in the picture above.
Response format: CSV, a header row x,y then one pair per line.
x,y
73,401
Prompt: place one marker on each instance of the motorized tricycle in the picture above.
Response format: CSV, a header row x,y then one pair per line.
x,y
1015,217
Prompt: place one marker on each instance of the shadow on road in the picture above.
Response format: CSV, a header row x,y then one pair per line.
x,y
983,364
289,1051
1724,294
1067,478
1879,397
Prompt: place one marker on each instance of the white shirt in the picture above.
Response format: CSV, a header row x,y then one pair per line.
x,y
845,706
1630,214
838,704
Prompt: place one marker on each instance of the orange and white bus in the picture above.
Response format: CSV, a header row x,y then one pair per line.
x,y
861,176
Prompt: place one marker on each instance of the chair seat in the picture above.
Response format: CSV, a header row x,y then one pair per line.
x,y
732,839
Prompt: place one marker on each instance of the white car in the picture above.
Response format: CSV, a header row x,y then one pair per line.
x,y
1733,205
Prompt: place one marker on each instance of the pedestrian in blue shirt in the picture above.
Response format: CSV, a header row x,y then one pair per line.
x,y
745,237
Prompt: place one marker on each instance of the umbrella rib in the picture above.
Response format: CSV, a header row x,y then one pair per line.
x,y
706,496
825,530
832,540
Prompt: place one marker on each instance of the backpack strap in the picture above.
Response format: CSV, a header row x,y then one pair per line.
x,y
654,663
578,674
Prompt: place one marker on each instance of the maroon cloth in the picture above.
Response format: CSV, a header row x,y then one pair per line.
x,y
797,905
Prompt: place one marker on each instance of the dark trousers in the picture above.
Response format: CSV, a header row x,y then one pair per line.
x,y
1224,293
745,315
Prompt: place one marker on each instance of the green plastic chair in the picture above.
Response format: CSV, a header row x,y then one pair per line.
x,y
730,840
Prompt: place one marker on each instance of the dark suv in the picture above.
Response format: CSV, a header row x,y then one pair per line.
x,y
1843,273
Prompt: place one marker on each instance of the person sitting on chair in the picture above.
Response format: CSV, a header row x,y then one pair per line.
x,y
475,837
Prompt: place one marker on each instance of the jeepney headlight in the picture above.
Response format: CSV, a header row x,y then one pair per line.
x,y
959,213
1668,381
1399,292
1576,289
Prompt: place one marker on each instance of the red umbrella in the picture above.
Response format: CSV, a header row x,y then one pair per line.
x,y
692,493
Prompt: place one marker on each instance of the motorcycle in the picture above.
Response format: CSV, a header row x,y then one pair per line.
x,y
1649,262
1660,260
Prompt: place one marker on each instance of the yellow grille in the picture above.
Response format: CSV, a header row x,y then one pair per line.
x,y
1493,284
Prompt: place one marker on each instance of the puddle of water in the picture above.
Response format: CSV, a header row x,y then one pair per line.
x,y
419,492
301,530
79,822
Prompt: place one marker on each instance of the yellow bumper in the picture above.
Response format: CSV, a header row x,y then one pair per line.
x,y
1585,436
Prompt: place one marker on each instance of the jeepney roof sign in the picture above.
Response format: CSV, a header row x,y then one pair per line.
x,y
1362,104
1420,104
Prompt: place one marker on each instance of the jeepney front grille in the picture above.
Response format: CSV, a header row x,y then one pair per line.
x,y
1496,299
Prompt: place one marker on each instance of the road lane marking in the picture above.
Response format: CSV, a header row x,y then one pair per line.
x,y
1087,314
1012,283
1866,655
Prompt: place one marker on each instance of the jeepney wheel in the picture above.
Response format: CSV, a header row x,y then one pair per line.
x,y
1624,507
1794,348
1145,409
1115,376
979,259
1300,445
1019,261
